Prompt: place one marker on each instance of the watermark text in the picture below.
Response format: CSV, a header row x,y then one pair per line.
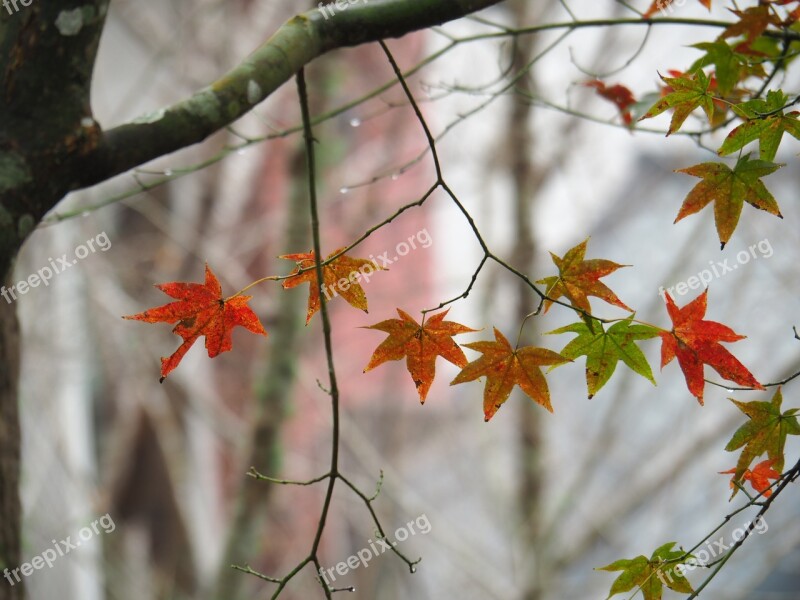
x,y
718,269
361,558
329,10
56,267
59,549
422,237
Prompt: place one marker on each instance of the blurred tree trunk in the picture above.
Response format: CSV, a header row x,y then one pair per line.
x,y
246,534
527,177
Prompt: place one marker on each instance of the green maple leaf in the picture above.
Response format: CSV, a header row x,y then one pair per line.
x,y
766,431
687,95
651,575
765,122
729,189
604,349
730,66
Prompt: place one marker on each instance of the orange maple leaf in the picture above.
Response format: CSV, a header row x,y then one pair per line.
x,y
340,277
752,23
420,345
620,95
505,367
759,477
201,311
696,342
578,278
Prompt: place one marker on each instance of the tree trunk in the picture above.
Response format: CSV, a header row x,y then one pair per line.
x,y
527,176
10,509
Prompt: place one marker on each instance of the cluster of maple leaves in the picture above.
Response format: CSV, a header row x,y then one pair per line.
x,y
720,92
202,310
715,84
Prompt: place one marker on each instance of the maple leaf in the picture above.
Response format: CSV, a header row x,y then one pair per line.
x,y
729,189
765,432
751,24
721,104
697,342
201,311
687,93
765,122
505,367
604,349
793,16
578,278
759,477
662,6
340,277
730,66
651,575
420,345
618,94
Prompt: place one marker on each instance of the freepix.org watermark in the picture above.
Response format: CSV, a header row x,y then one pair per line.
x,y
667,7
422,237
60,548
330,10
9,3
376,548
56,267
715,548
718,269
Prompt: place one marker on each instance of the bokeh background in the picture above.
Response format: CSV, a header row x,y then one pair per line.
x,y
524,507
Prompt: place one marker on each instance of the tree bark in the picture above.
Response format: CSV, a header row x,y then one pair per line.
x,y
47,54
10,510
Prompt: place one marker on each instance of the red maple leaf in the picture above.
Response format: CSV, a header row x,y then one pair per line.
x,y
201,311
759,477
697,342
621,96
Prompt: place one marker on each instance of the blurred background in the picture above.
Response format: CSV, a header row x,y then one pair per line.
x,y
524,507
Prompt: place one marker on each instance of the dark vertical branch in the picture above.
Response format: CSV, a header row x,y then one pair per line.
x,y
326,323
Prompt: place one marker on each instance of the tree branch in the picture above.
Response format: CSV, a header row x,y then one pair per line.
x,y
295,44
